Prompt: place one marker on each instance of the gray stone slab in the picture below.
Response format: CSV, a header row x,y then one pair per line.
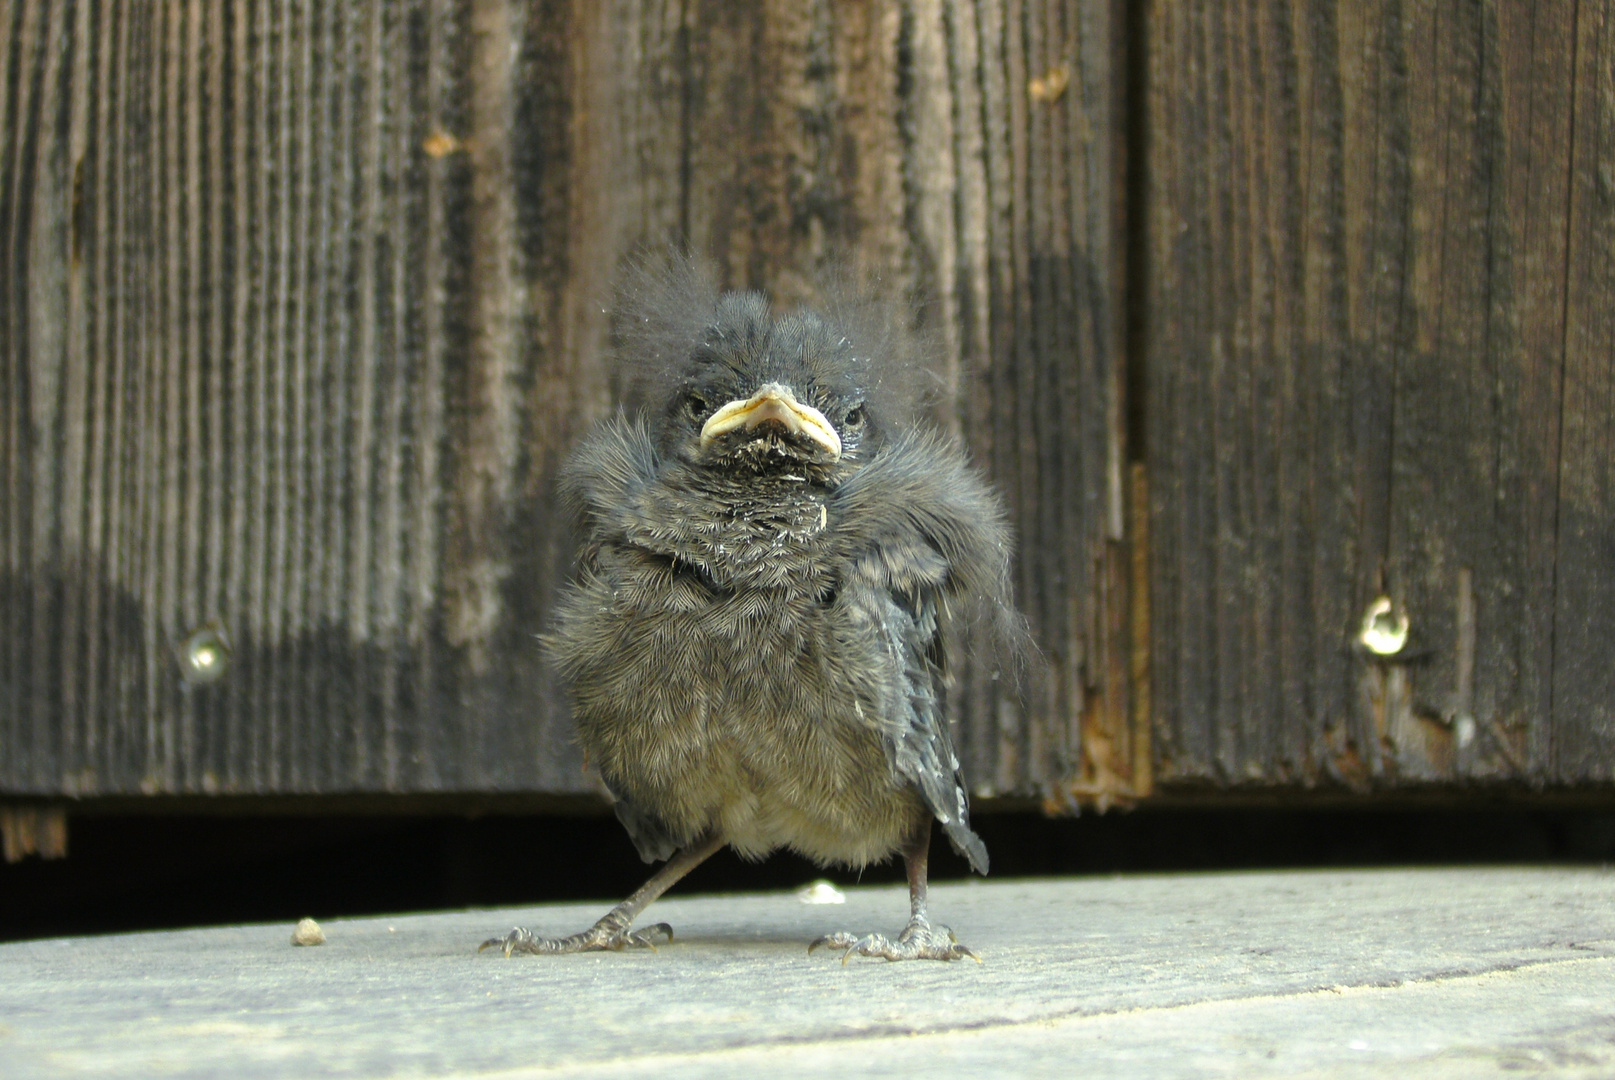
x,y
1406,973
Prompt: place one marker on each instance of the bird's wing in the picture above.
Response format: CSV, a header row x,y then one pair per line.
x,y
919,531
650,835
614,460
598,484
915,724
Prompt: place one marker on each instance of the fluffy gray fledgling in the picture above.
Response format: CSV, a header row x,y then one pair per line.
x,y
775,557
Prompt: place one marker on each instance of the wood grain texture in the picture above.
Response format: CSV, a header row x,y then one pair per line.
x,y
1582,739
302,306
1374,365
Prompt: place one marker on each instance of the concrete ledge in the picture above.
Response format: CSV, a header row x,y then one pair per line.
x,y
1459,973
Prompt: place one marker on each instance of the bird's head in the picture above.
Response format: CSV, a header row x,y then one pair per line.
x,y
768,393
726,382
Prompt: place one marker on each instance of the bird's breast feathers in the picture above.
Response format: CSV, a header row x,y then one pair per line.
x,y
770,536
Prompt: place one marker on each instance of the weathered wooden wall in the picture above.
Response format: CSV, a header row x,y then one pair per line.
x,y
1380,359
300,304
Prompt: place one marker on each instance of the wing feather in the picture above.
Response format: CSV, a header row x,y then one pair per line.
x,y
921,533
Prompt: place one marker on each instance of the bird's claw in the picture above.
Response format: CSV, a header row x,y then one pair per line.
x,y
838,940
919,941
597,938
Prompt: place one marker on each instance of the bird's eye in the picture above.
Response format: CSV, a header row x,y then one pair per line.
x,y
854,417
695,406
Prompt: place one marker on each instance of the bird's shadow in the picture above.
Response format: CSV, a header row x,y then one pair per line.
x,y
733,940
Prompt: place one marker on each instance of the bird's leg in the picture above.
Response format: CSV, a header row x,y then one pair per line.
x,y
919,939
612,932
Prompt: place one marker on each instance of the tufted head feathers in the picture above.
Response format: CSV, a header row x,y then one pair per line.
x,y
725,380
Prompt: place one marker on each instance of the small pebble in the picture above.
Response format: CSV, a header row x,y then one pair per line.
x,y
308,932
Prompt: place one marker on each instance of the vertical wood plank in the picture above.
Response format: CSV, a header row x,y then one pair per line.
x,y
302,305
910,136
1583,732
1359,371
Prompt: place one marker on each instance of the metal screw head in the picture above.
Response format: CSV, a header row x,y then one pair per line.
x,y
1385,629
1463,727
204,656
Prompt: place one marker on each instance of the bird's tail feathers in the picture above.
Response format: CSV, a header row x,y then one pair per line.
x,y
964,840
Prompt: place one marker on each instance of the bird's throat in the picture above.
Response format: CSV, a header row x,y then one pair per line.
x,y
741,530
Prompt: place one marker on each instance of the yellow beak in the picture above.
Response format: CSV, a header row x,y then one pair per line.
x,y
777,403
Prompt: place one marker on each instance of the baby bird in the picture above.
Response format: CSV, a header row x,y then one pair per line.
x,y
776,555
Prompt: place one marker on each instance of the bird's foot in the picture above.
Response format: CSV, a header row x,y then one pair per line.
x,y
599,937
919,941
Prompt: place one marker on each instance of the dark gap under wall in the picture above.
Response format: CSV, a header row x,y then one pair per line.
x,y
163,871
